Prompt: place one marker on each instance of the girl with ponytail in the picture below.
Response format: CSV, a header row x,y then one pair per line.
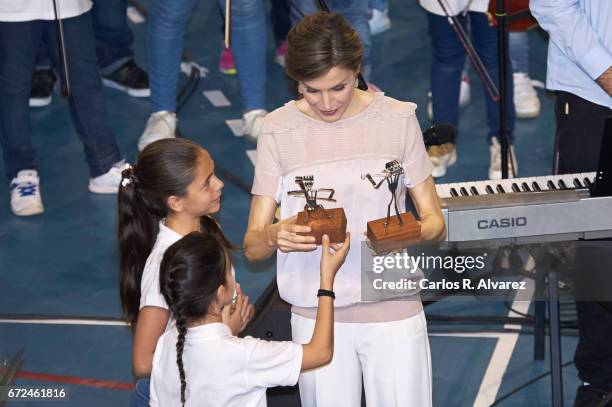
x,y
171,191
201,362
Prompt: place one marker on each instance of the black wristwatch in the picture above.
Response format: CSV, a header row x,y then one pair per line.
x,y
326,293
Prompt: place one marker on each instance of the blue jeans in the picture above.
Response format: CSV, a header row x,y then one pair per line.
x,y
448,62
19,42
357,13
141,394
166,27
114,38
518,42
380,5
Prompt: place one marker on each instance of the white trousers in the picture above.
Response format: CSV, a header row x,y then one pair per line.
x,y
392,357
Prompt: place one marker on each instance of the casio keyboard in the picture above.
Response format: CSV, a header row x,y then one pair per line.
x,y
526,210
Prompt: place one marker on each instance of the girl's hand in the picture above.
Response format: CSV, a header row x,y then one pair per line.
x,y
238,314
332,257
287,238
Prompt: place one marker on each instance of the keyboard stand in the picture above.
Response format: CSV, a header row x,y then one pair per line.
x,y
547,281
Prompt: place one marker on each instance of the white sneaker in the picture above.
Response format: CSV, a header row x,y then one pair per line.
x,y
442,157
252,121
380,22
108,183
464,95
160,125
25,194
495,167
526,101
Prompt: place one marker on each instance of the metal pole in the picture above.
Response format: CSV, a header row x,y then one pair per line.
x,y
502,40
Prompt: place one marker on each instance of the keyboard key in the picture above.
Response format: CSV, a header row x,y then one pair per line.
x,y
463,191
536,187
525,187
473,190
453,192
515,187
489,189
500,189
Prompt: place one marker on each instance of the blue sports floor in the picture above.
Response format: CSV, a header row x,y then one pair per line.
x,y
64,262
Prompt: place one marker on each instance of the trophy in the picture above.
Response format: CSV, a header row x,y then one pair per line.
x,y
331,222
393,232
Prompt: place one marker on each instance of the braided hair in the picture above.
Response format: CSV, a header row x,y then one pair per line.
x,y
191,271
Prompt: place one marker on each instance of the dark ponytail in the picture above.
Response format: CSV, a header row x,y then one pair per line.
x,y
164,168
190,273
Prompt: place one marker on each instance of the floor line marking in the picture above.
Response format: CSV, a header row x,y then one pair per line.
x,y
64,322
498,364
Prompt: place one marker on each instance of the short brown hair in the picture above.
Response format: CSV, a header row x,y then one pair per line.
x,y
320,42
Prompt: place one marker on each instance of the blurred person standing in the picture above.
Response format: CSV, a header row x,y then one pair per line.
x,y
23,25
580,72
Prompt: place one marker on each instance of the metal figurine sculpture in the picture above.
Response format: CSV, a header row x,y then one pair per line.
x,y
306,183
386,235
331,222
393,170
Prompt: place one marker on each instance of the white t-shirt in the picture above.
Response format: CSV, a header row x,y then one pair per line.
x,y
221,369
28,10
150,295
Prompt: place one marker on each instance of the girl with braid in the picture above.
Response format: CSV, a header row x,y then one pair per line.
x,y
201,363
170,192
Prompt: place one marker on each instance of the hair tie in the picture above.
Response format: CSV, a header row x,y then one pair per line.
x,y
128,177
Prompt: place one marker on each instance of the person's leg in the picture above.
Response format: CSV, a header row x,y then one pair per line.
x,y
19,44
300,8
280,19
114,38
43,78
379,22
580,126
446,66
518,47
526,101
379,4
335,384
358,14
141,394
396,362
114,41
87,104
484,38
249,41
165,31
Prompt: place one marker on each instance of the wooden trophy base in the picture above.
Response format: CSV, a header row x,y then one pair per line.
x,y
330,222
394,236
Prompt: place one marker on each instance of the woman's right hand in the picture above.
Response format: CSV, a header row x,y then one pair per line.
x,y
286,238
332,257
